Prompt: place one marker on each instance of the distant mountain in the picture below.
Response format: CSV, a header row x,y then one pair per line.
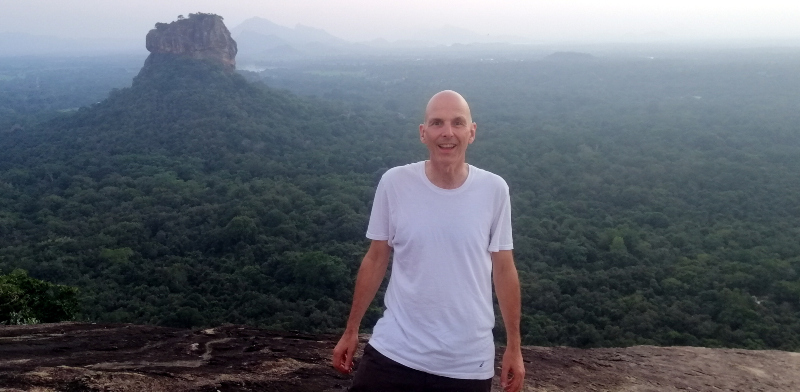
x,y
298,35
262,40
253,45
259,38
253,41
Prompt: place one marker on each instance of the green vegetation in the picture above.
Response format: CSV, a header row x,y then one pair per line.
x,y
642,214
25,300
194,198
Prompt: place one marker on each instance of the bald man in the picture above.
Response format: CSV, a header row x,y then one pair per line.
x,y
448,225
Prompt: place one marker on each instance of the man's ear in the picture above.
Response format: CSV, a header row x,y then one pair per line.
x,y
422,132
473,129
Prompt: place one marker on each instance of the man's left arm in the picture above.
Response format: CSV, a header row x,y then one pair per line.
x,y
506,286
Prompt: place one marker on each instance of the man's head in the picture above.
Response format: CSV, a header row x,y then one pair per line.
x,y
448,128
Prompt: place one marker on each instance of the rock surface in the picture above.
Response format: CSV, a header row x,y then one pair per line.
x,y
200,36
94,357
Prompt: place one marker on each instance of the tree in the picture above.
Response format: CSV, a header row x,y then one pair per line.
x,y
25,300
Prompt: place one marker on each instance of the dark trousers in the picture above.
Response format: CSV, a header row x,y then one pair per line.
x,y
376,373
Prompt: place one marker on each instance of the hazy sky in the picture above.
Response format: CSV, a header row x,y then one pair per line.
x,y
545,20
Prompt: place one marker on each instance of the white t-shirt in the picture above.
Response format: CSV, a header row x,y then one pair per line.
x,y
439,314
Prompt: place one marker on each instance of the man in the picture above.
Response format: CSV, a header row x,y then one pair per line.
x,y
449,226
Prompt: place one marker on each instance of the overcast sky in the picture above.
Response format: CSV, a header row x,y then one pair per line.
x,y
358,20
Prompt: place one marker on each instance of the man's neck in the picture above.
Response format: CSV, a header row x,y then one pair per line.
x,y
446,176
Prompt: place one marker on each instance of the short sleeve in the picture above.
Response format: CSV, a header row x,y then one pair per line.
x,y
500,235
379,219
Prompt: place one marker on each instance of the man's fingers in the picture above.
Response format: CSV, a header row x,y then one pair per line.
x,y
510,383
344,366
515,383
347,362
344,363
511,380
343,353
339,359
504,377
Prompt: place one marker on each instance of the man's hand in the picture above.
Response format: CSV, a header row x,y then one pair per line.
x,y
370,275
343,353
512,375
506,286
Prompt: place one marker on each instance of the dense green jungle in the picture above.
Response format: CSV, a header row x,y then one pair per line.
x,y
655,195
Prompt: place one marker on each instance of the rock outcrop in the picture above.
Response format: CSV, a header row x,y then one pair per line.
x,y
200,36
234,358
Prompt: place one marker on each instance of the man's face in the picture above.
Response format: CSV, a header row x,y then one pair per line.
x,y
448,128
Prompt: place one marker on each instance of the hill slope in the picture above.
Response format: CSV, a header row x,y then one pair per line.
x,y
195,197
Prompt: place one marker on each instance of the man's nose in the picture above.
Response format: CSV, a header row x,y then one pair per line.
x,y
448,130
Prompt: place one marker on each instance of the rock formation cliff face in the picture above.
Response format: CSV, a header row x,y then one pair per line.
x,y
200,36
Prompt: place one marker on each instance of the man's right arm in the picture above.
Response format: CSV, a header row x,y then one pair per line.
x,y
370,276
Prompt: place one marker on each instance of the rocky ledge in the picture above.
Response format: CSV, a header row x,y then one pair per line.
x,y
200,36
75,357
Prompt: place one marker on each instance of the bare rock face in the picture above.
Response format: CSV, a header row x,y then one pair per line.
x,y
200,36
237,358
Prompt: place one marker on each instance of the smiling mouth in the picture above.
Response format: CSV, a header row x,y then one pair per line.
x,y
447,146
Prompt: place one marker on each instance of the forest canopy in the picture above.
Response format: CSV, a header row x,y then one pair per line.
x,y
25,300
654,201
